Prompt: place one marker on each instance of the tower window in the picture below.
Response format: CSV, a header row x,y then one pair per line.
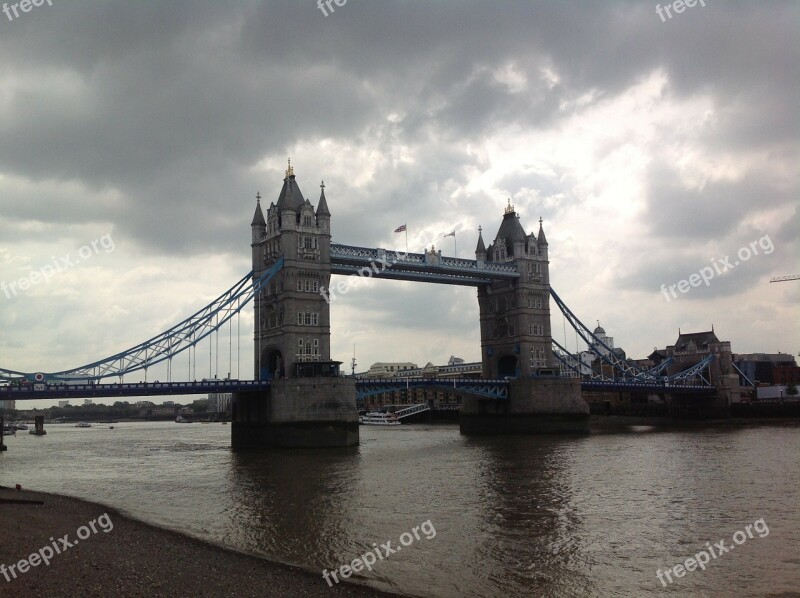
x,y
307,319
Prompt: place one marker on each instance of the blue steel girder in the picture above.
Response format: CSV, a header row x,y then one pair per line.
x,y
662,386
695,370
656,370
385,263
743,375
176,339
591,340
629,371
493,389
82,391
570,364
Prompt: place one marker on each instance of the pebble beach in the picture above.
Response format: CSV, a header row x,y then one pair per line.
x,y
96,551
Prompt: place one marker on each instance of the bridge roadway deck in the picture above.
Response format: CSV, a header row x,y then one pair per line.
x,y
491,388
601,385
144,389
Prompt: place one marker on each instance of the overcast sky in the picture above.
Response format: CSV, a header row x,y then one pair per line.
x,y
652,148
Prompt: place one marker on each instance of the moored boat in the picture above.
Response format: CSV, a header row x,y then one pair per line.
x,y
378,418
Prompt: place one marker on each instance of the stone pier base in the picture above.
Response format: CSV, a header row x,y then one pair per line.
x,y
296,413
548,405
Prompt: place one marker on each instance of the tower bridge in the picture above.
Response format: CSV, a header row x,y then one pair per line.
x,y
299,398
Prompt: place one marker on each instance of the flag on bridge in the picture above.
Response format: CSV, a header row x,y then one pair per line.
x,y
400,229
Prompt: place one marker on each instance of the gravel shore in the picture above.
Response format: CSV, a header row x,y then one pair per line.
x,y
132,558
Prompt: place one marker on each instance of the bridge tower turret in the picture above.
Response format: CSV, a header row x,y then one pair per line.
x,y
292,318
515,315
480,250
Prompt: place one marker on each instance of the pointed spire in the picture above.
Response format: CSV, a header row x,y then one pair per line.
x,y
258,217
509,208
481,248
542,239
290,198
322,206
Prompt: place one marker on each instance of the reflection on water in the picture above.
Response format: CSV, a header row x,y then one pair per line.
x,y
519,516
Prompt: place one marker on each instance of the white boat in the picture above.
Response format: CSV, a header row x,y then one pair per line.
x,y
182,420
378,418
83,425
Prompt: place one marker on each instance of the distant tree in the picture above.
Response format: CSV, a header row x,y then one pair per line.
x,y
199,405
791,389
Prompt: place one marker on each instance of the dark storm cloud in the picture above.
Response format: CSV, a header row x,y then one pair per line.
x,y
167,103
158,121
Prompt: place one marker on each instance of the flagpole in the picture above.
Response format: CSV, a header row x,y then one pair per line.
x,y
406,240
455,243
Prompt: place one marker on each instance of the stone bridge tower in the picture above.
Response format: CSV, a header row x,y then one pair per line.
x,y
515,315
292,317
306,403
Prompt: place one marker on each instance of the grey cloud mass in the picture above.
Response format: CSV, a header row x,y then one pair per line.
x,y
646,146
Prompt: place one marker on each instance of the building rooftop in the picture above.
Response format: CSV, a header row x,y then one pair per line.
x,y
695,340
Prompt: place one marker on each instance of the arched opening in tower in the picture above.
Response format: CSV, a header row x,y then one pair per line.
x,y
272,365
507,366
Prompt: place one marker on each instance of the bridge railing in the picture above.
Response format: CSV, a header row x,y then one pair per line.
x,y
401,413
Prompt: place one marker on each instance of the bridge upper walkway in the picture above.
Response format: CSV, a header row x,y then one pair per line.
x,y
420,267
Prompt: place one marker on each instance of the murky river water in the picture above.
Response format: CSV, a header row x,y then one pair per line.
x,y
523,516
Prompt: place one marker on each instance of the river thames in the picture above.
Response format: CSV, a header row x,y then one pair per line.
x,y
519,516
